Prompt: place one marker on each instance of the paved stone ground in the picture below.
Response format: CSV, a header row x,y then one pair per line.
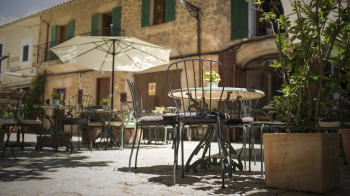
x,y
105,172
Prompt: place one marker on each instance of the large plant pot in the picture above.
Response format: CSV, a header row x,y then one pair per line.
x,y
93,134
302,161
2,137
129,135
48,141
345,134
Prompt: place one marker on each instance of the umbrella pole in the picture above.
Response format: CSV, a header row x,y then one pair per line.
x,y
113,74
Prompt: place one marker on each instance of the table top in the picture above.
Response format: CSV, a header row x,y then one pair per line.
x,y
51,106
245,93
102,111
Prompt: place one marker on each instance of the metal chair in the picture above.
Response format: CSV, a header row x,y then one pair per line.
x,y
200,105
9,107
79,105
144,120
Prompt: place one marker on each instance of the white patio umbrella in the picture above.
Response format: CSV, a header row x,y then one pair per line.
x,y
111,54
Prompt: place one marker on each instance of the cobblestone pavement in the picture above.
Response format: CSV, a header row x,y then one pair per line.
x,y
105,172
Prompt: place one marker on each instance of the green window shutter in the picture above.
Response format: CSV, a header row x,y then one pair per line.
x,y
116,21
70,29
170,10
94,24
239,19
53,41
145,13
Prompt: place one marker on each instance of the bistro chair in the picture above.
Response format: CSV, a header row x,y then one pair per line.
x,y
144,121
79,106
9,103
196,101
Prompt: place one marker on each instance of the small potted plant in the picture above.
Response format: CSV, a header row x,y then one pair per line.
x,y
212,78
57,97
160,110
105,103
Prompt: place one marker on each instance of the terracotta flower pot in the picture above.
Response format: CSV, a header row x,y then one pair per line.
x,y
345,134
128,135
302,161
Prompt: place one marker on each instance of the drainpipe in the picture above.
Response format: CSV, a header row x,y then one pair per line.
x,y
47,38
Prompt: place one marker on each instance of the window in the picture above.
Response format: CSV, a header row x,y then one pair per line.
x,y
122,97
110,23
25,53
157,12
80,98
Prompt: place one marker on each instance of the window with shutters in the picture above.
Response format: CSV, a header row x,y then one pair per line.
x,y
25,53
107,24
1,67
157,12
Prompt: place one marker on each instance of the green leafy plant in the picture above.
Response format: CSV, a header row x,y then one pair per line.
x,y
212,76
57,95
316,40
33,95
105,101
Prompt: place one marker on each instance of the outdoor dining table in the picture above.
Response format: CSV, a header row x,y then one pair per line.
x,y
229,93
54,127
107,132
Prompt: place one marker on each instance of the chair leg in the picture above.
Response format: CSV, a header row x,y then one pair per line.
x,y
132,149
22,145
245,146
220,152
261,150
229,149
8,142
182,151
122,139
89,137
71,140
188,133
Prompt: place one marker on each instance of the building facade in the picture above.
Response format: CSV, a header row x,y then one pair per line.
x,y
228,31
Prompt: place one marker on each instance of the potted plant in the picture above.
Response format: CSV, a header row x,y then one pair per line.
x,y
212,78
105,103
160,110
57,97
307,161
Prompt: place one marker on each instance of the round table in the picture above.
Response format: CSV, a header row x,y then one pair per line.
x,y
228,93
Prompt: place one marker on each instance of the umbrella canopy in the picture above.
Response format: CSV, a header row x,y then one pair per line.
x,y
111,54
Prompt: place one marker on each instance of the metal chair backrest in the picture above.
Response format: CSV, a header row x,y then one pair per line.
x,y
194,93
136,95
78,104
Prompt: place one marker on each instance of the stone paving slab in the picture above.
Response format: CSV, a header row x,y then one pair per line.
x,y
105,172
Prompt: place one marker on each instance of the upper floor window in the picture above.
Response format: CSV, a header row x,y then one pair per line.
x,y
157,12
25,53
111,23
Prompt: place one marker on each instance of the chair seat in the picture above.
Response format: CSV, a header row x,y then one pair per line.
x,y
30,122
74,121
157,119
223,116
333,124
7,121
244,120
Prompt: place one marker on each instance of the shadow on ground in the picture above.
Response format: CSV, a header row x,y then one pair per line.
x,y
30,164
